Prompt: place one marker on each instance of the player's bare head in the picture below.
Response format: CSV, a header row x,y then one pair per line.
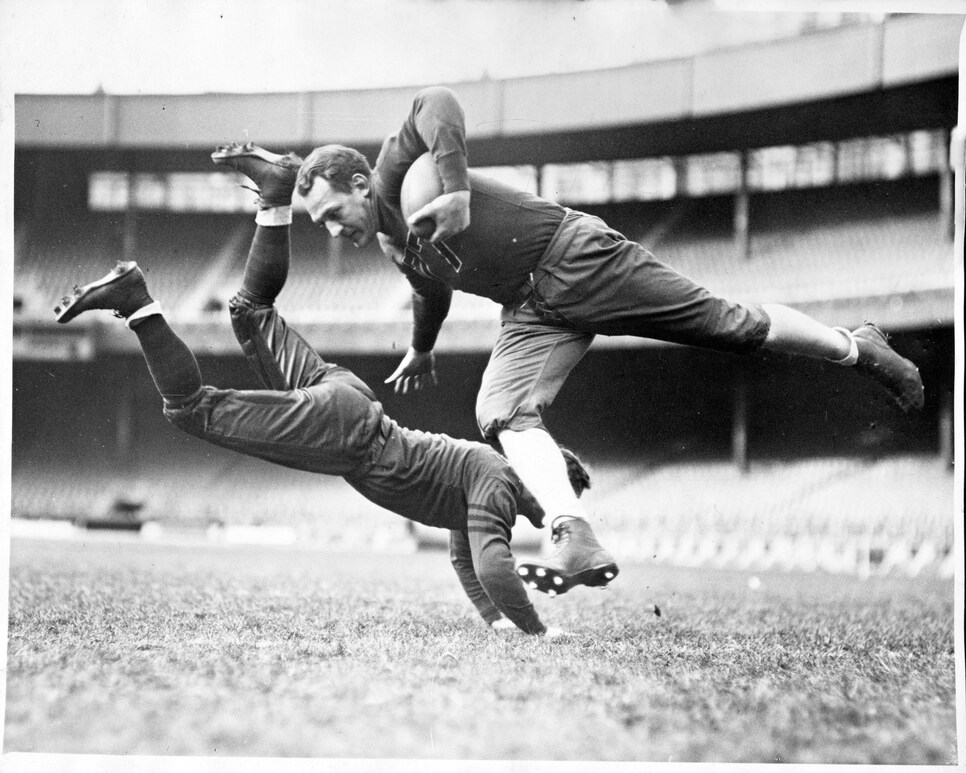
x,y
335,163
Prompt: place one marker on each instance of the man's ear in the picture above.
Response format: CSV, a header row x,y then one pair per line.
x,y
360,183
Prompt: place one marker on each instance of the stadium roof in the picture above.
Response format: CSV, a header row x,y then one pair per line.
x,y
896,75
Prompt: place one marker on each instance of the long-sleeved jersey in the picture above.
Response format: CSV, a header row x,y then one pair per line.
x,y
462,486
509,231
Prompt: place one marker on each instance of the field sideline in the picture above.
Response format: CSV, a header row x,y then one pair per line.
x,y
129,648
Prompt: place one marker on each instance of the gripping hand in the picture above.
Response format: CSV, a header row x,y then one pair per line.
x,y
450,213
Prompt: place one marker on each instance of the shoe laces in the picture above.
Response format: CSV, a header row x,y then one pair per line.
x,y
560,535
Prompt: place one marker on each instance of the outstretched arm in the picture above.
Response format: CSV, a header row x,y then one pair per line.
x,y
490,515
462,560
431,302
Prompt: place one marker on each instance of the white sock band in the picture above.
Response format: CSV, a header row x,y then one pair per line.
x,y
853,356
145,311
274,216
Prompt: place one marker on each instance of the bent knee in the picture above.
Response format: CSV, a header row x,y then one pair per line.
x,y
187,414
494,415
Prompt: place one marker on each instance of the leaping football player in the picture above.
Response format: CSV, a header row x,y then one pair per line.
x,y
562,277
316,416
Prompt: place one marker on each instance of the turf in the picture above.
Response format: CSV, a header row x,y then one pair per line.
x,y
129,648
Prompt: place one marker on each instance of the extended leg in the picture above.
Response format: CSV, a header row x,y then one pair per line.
x,y
528,366
297,428
280,357
621,289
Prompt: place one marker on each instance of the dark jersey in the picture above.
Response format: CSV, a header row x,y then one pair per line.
x,y
462,486
508,234
509,229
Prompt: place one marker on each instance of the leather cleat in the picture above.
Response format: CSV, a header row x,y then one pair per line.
x,y
122,290
579,559
880,361
274,174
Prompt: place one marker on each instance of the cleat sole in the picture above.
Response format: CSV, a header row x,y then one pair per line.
x,y
553,583
225,154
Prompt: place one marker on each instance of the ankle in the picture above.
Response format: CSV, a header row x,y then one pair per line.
x,y
139,314
853,354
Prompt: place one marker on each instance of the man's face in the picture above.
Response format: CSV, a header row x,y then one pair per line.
x,y
349,215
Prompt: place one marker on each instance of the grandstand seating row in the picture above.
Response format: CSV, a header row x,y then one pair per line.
x,y
858,240
738,519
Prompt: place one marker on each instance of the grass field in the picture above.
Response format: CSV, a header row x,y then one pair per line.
x,y
132,648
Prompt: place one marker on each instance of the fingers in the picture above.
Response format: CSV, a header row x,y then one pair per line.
x,y
441,218
425,212
416,371
406,384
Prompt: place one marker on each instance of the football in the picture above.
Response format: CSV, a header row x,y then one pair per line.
x,y
420,186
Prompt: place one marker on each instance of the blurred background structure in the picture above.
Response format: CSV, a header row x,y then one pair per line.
x,y
791,158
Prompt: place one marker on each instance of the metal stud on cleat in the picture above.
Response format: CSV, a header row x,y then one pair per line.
x,y
557,579
541,572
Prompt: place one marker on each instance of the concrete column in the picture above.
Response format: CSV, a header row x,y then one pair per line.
x,y
739,425
124,445
742,211
947,190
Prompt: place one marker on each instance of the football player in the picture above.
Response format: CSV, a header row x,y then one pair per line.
x,y
562,277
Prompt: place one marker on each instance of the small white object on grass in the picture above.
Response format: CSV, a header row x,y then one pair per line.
x,y
754,583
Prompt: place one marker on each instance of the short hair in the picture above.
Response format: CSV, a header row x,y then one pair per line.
x,y
335,163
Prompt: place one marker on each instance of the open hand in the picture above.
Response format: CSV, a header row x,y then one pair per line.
x,y
417,370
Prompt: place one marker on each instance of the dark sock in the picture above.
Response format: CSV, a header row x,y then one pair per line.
x,y
172,364
267,267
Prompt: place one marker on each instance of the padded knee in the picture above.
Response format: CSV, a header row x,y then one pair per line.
x,y
494,414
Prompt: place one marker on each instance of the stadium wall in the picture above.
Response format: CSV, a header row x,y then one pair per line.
x,y
652,108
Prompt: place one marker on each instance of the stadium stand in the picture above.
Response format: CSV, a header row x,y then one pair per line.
x,y
805,244
834,481
834,514
855,240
